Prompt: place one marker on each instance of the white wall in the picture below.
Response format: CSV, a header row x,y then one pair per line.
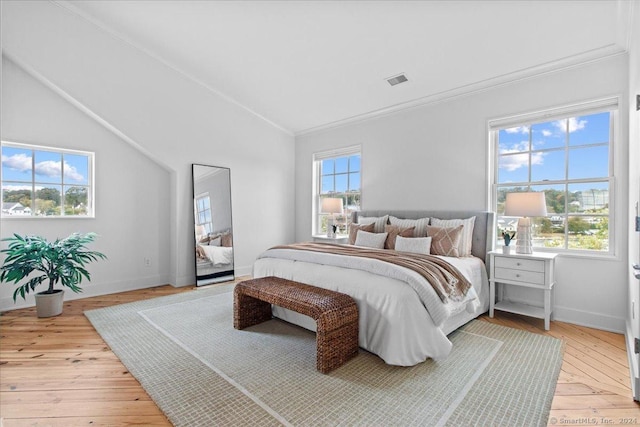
x,y
168,116
132,197
435,157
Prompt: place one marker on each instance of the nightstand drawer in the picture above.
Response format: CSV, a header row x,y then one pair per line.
x,y
519,264
519,275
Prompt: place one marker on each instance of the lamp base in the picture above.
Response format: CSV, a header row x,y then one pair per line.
x,y
523,240
330,233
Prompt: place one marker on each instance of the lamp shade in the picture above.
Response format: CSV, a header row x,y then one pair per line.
x,y
331,206
531,204
200,230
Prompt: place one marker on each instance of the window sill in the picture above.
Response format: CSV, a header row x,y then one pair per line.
x,y
566,253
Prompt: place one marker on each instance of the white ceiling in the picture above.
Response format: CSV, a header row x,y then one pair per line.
x,y
306,65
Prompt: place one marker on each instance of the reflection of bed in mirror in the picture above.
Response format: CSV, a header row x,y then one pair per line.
x,y
213,228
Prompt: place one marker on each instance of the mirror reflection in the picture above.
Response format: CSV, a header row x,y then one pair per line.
x,y
213,226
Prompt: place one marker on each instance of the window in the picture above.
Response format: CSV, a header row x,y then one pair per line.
x,y
567,155
337,175
203,213
41,181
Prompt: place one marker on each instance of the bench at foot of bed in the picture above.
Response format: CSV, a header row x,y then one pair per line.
x,y
336,314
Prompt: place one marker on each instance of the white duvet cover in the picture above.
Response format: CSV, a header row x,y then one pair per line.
x,y
394,320
218,255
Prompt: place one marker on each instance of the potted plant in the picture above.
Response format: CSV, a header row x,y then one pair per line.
x,y
508,237
60,261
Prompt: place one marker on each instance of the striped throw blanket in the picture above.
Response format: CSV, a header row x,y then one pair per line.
x,y
448,283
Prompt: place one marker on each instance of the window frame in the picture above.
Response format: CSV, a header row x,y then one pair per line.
x,y
318,158
208,225
610,105
91,202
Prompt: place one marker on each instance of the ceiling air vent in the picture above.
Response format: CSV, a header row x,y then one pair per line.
x,y
400,78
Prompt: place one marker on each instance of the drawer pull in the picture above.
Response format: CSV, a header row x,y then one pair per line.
x,y
518,264
517,275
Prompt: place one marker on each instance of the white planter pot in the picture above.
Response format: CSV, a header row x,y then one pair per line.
x,y
49,305
506,250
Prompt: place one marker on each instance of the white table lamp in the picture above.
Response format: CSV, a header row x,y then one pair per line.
x,y
200,232
525,205
331,206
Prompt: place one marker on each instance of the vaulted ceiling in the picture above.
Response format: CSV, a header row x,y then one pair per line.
x,y
307,65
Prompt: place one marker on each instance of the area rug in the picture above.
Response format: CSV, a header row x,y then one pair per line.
x,y
202,372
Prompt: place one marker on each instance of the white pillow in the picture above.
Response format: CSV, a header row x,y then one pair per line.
x,y
370,240
419,224
379,221
416,245
464,247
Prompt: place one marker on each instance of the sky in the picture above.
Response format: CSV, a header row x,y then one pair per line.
x,y
17,166
347,170
587,159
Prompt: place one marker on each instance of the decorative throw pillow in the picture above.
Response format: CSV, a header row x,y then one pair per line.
x,y
370,240
467,233
353,230
445,241
379,221
419,224
394,231
226,240
416,245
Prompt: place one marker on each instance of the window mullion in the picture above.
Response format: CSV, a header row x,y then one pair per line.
x,y
33,182
62,203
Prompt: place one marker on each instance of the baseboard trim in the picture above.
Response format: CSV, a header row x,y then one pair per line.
x,y
589,319
89,290
601,321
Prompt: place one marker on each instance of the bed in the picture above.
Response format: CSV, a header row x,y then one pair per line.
x,y
401,320
214,258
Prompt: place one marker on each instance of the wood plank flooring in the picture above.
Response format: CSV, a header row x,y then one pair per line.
x,y
59,371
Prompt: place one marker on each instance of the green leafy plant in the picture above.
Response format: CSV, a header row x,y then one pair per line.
x,y
61,261
508,237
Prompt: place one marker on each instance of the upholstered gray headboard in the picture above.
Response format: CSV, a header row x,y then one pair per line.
x,y
482,229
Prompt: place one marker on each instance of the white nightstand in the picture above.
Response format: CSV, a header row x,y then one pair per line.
x,y
529,270
339,240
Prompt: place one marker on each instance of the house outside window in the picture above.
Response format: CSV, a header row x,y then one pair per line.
x,y
567,154
46,182
337,174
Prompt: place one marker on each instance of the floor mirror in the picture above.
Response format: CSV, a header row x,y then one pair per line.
x,y
213,225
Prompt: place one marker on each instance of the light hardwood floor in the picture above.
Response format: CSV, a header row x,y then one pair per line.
x,y
59,371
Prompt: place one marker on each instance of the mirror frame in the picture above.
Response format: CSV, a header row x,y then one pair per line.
x,y
207,272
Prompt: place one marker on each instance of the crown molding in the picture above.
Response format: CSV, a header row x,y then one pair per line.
x,y
563,64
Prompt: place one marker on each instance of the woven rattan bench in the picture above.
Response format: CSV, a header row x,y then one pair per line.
x,y
336,314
